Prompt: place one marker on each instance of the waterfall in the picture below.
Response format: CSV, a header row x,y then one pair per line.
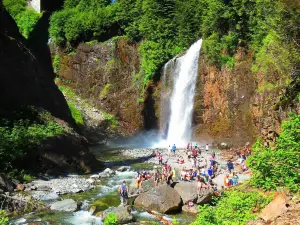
x,y
182,100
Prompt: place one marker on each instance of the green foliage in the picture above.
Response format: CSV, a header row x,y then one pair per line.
x,y
26,21
25,18
24,130
56,64
3,217
71,96
268,28
278,166
76,114
105,90
21,175
235,208
111,119
111,219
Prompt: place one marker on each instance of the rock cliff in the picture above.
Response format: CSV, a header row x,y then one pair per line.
x,y
27,82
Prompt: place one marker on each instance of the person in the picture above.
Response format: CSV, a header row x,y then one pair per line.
x,y
212,159
206,147
156,178
190,203
210,171
189,155
160,159
201,185
182,174
195,153
230,166
235,179
169,150
169,177
226,181
123,189
174,148
173,174
139,183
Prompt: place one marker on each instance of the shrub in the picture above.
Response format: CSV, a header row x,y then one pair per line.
x,y
76,114
25,18
24,130
56,64
3,217
278,166
111,219
235,208
26,21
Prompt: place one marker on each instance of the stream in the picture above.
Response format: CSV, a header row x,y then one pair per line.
x,y
105,195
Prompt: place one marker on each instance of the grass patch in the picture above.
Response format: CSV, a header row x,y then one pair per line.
x,y
93,42
76,113
72,53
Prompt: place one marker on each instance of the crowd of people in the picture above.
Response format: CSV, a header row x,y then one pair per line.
x,y
202,172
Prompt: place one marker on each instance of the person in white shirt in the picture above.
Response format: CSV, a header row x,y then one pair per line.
x,y
169,150
206,147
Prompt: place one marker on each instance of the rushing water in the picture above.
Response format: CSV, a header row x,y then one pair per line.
x,y
182,100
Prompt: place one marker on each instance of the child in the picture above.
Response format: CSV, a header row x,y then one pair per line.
x,y
235,179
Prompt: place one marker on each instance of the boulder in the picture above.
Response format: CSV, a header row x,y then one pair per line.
x,y
163,199
67,205
107,173
205,196
123,168
5,183
95,177
187,191
147,185
123,214
43,188
193,210
275,208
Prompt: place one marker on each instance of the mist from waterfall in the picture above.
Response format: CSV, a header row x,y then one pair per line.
x,y
182,99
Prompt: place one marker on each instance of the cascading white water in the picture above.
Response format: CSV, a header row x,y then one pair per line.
x,y
182,100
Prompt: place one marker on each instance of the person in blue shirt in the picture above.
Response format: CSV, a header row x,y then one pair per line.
x,y
210,171
230,166
174,148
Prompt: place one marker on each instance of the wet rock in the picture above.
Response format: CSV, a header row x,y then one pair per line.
x,y
163,199
43,188
187,191
123,168
193,210
275,208
95,177
123,214
147,185
205,196
5,183
67,205
107,173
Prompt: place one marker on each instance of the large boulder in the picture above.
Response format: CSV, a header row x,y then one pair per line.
x,y
275,208
123,214
147,185
123,168
107,173
205,196
67,205
187,191
5,183
163,199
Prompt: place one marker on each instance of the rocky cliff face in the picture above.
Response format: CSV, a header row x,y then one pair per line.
x,y
231,106
104,73
27,82
235,106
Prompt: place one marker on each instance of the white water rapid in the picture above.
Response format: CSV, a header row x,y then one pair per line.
x,y
182,100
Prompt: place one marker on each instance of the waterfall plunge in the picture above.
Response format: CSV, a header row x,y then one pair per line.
x,y
182,100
